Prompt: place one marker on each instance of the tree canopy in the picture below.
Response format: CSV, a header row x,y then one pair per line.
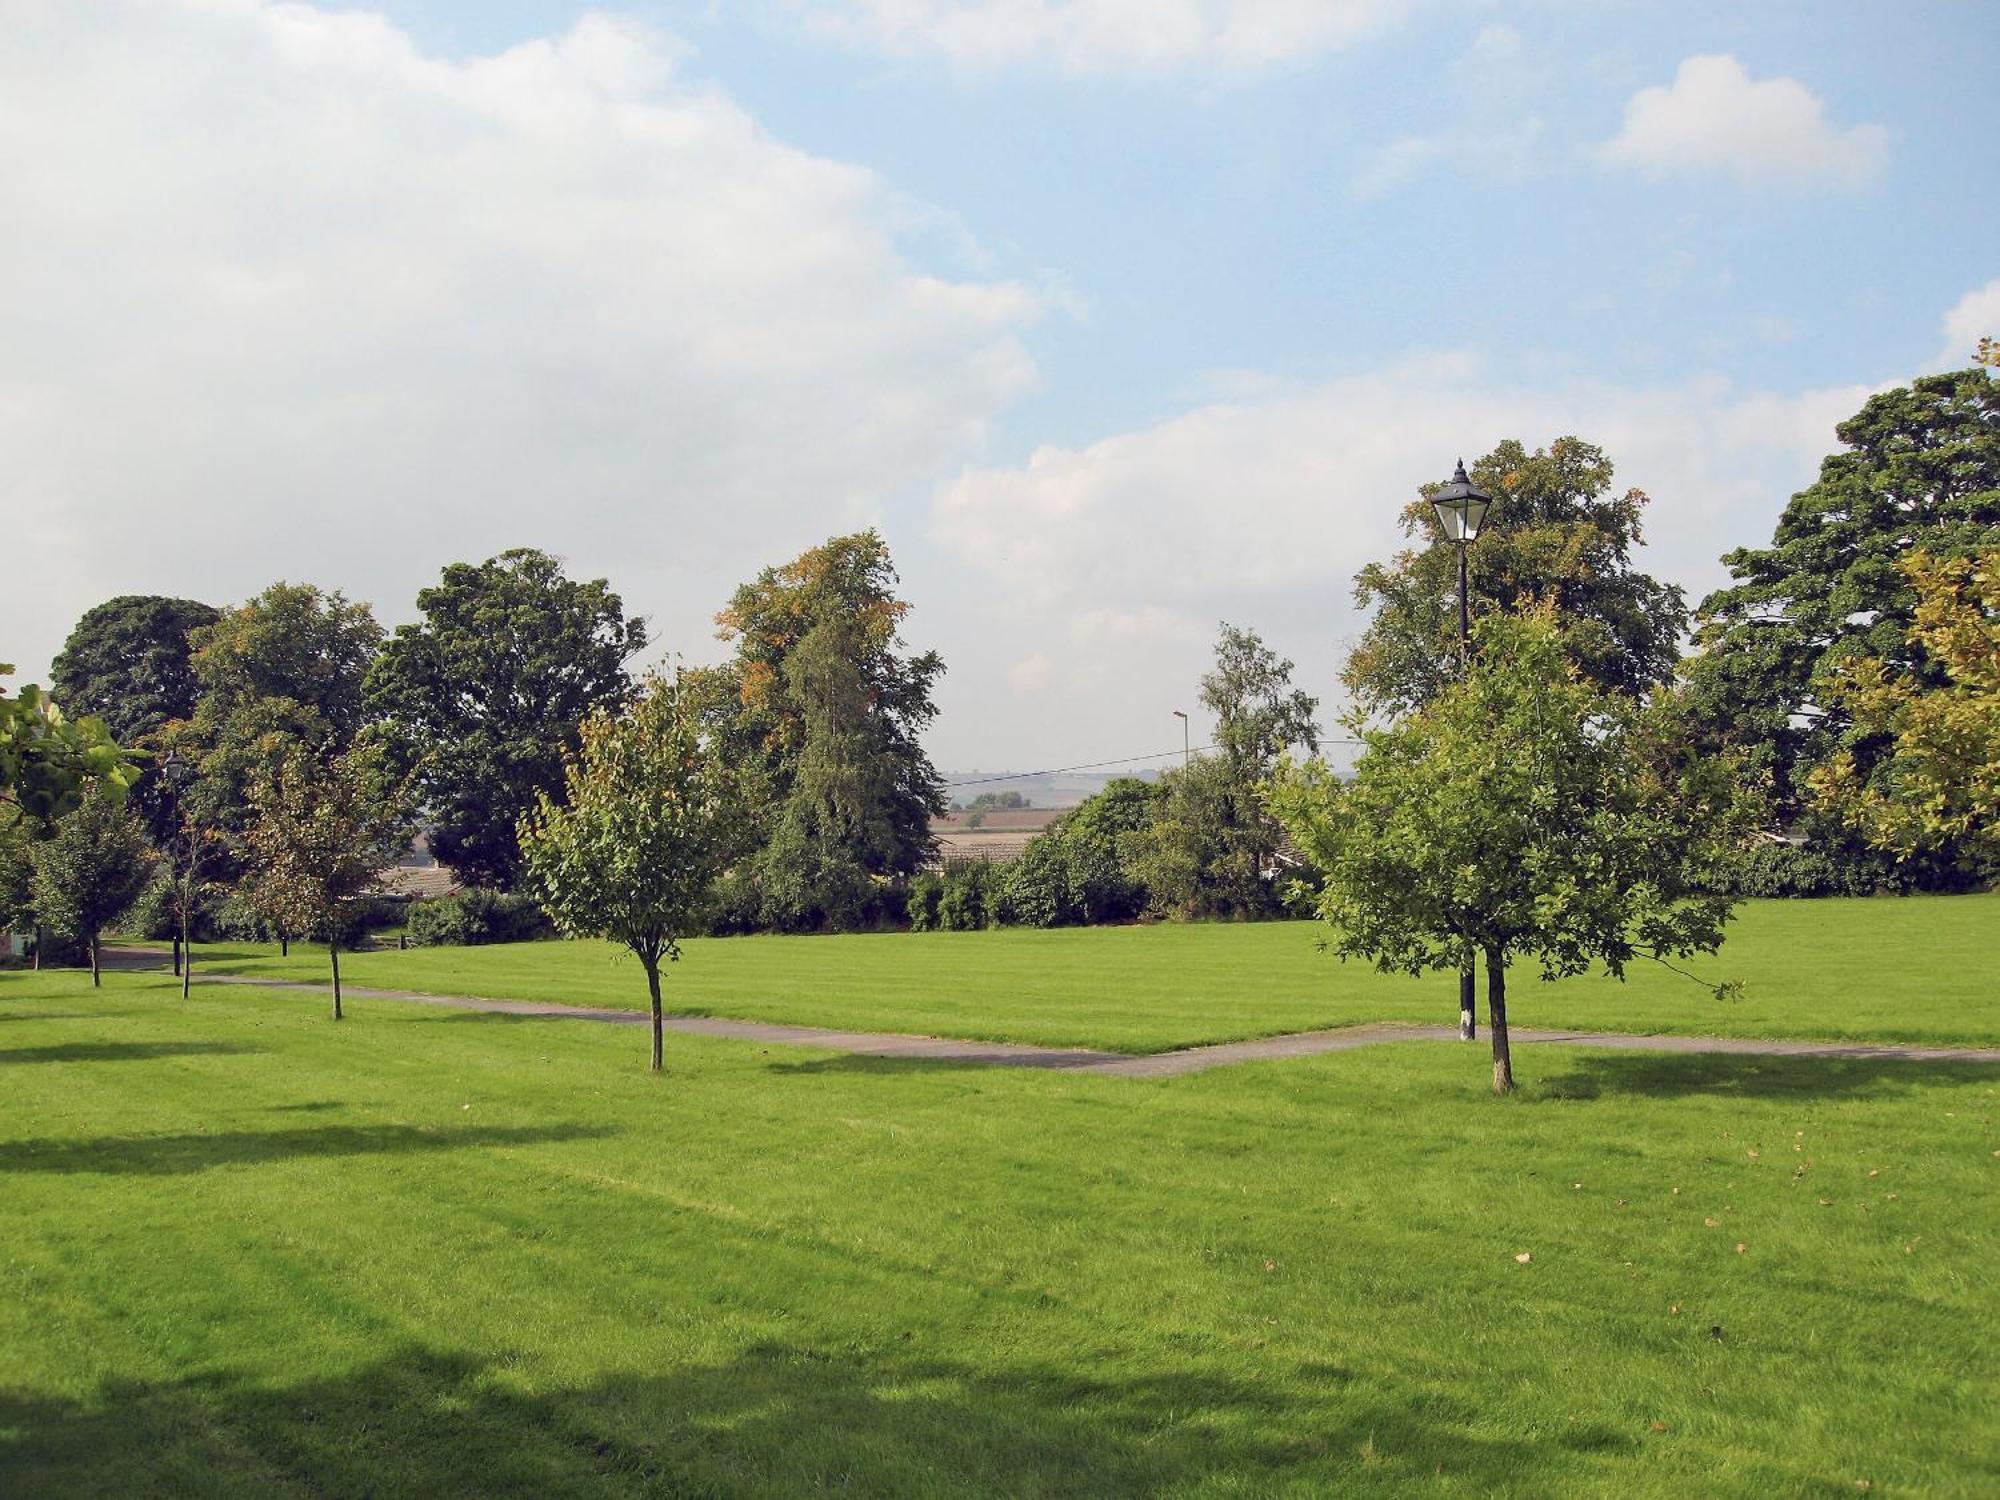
x,y
1523,811
1919,471
484,695
1557,534
91,870
652,814
49,761
129,662
823,708
1936,785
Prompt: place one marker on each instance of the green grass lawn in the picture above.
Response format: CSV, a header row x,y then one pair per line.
x,y
1914,970
246,1250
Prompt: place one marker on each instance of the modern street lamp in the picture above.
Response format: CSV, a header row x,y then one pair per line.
x,y
1187,755
1461,508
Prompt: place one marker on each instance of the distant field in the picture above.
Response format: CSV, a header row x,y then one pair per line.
x,y
247,1251
1923,969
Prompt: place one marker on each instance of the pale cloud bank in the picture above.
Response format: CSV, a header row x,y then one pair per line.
x,y
1089,36
1715,118
286,296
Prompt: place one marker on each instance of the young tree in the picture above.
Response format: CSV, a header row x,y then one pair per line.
x,y
484,695
823,710
1936,785
323,826
1073,872
88,874
129,661
652,817
1919,471
1557,535
1523,812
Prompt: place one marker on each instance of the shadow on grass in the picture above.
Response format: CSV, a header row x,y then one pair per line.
x,y
1671,1075
974,1058
120,1051
777,1419
43,1015
201,1151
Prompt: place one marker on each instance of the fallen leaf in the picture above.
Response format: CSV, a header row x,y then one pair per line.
x,y
1751,1153
1892,1197
1270,1265
1826,1203
1576,1184
1523,1258
1659,1427
1874,1171
1712,1223
1741,1247
1675,1309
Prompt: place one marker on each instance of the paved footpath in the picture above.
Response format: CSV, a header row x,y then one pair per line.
x,y
1118,1064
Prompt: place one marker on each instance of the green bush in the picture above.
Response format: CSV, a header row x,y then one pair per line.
x,y
926,890
474,917
973,896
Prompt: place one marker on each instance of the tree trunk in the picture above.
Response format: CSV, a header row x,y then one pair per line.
x,y
38,947
653,985
95,981
1468,1004
187,959
333,952
177,953
1496,1018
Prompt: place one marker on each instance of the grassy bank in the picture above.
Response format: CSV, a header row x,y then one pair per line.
x,y
1912,970
247,1250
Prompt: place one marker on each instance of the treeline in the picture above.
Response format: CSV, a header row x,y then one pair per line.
x,y
285,749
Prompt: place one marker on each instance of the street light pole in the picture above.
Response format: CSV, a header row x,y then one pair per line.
x,y
1461,510
1187,755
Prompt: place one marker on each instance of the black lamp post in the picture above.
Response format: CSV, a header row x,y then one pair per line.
x,y
1461,510
176,774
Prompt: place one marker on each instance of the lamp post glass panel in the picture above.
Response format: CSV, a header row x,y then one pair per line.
x,y
1461,508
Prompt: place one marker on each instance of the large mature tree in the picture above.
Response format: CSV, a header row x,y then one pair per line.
x,y
483,697
1210,847
91,870
1523,811
1936,787
1920,471
129,662
324,823
652,813
823,707
1557,534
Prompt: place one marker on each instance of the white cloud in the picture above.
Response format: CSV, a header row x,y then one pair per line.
x,y
1104,35
287,297
1715,117
1496,154
1030,674
1261,511
1973,317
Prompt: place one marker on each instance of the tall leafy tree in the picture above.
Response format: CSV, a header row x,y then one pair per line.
x,y
1524,812
1937,785
1558,534
1211,847
1074,871
823,706
91,870
485,694
1919,471
652,813
129,661
324,822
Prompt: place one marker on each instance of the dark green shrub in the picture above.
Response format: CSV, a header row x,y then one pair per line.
x,y
973,896
475,917
926,890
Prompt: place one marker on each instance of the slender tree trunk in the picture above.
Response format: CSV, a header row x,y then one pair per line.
x,y
333,952
95,981
38,947
653,985
177,953
1496,1018
187,957
1468,1004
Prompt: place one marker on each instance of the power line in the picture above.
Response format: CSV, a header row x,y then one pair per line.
x,y
1098,765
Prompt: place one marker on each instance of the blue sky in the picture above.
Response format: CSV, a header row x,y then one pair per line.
x,y
1117,318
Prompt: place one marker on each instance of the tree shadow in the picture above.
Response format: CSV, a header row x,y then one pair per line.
x,y
120,1051
776,1419
202,1151
1667,1075
43,1015
974,1059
